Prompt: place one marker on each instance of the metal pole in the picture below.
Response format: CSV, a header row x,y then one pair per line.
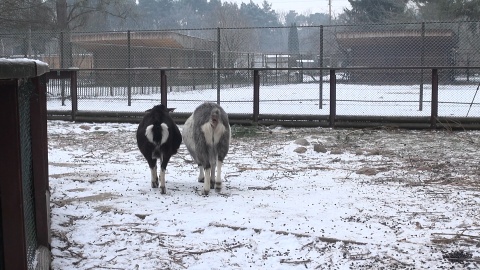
x,y
320,60
129,65
219,63
422,60
330,11
62,65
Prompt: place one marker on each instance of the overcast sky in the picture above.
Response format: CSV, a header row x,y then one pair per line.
x,y
302,6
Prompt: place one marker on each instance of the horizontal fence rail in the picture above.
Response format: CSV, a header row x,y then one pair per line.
x,y
424,97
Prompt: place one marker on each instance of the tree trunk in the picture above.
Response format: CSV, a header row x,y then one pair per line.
x,y
64,40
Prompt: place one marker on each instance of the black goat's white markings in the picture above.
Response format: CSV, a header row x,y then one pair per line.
x,y
149,133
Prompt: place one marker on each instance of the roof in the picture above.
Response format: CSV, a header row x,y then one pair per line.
x,y
22,68
162,39
392,36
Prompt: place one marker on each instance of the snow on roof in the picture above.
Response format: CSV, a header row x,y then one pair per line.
x,y
21,68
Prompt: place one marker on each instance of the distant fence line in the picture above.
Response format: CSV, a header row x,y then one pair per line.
x,y
335,46
254,79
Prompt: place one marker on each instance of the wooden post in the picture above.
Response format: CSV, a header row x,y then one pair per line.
x,y
73,93
333,97
256,95
434,114
163,87
13,226
38,122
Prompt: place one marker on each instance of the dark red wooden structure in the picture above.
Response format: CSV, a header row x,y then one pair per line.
x,y
24,192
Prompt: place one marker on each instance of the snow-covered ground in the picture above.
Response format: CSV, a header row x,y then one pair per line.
x,y
366,199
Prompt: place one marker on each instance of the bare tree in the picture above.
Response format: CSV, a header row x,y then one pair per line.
x,y
235,36
79,14
24,15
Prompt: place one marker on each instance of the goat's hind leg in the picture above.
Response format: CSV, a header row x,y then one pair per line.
x,y
152,163
212,173
163,168
206,182
153,171
218,178
201,174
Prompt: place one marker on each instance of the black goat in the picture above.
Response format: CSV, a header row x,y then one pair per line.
x,y
158,137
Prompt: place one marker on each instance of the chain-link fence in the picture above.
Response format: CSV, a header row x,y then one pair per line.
x,y
25,95
289,79
407,44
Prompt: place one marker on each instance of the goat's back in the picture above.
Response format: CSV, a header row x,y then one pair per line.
x,y
155,117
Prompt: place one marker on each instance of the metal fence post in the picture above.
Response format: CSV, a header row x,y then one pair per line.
x,y
333,97
73,93
163,87
219,63
256,95
62,65
422,63
129,65
434,114
320,63
61,50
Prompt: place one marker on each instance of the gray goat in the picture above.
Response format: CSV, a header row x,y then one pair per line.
x,y
206,134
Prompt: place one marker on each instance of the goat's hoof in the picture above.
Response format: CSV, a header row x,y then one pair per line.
x,y
162,190
155,184
201,180
205,192
212,185
218,187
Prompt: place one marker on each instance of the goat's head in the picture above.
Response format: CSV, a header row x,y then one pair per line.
x,y
161,108
214,118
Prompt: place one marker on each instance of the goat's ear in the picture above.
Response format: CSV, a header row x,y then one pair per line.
x,y
171,109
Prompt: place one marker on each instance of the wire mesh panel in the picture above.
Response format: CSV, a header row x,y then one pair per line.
x,y
393,99
189,88
25,94
236,92
462,98
302,95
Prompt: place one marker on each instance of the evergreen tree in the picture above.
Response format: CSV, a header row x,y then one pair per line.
x,y
375,11
293,43
156,14
26,15
294,49
447,10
